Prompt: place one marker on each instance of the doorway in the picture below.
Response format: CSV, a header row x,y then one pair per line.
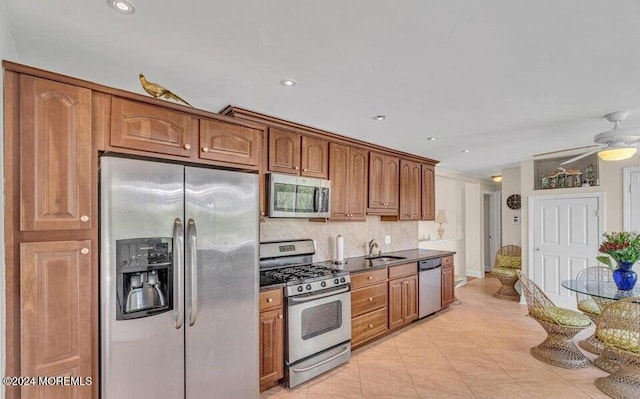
x,y
631,198
491,227
564,235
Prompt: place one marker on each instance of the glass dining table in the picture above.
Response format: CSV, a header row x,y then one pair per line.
x,y
600,289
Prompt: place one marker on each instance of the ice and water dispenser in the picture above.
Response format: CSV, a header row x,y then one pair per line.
x,y
144,277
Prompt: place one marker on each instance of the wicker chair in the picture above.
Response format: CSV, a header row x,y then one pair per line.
x,y
561,326
508,263
608,360
619,330
589,306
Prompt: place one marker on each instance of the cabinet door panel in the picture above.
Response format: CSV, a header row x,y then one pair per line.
x,y
55,149
150,128
55,299
428,193
339,176
377,187
411,298
224,142
271,346
391,182
409,190
358,160
448,293
284,151
395,303
315,158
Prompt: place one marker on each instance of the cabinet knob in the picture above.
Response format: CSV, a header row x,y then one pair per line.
x,y
279,316
305,169
187,146
205,149
84,251
84,218
370,326
370,299
296,168
269,300
370,277
261,213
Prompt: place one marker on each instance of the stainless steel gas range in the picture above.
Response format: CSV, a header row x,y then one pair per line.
x,y
318,308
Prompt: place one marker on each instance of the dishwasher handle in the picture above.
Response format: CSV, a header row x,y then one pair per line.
x,y
429,264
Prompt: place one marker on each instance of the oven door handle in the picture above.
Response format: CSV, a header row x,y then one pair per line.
x,y
325,361
319,296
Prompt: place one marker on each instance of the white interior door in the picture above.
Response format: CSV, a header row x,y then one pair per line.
x,y
565,238
631,187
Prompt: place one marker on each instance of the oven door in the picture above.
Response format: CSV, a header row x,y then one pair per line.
x,y
316,322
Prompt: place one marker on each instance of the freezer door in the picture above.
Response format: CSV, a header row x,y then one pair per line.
x,y
221,285
140,357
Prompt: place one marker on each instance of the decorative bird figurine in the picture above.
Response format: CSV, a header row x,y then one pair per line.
x,y
158,91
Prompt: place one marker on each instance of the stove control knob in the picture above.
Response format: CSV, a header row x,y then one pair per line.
x,y
299,288
308,287
342,280
336,281
323,284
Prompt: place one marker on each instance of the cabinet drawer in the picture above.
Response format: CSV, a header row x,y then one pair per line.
x,y
366,299
447,260
368,278
368,326
150,128
271,299
403,270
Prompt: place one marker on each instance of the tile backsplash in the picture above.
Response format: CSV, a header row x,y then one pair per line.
x,y
404,235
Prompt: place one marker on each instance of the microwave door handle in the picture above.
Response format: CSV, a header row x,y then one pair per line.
x,y
316,199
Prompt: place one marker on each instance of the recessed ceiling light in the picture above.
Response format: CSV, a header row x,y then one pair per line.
x,y
122,6
288,82
380,117
465,151
432,138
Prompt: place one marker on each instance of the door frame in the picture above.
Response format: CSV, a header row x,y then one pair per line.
x,y
626,196
602,206
495,224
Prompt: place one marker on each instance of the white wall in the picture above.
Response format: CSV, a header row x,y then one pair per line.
x,y
510,185
610,185
7,51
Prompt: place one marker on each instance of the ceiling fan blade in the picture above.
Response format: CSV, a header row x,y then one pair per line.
x,y
580,156
566,149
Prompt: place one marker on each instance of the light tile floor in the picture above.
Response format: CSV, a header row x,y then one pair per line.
x,y
477,349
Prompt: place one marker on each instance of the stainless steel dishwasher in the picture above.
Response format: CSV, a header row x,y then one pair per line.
x,y
430,285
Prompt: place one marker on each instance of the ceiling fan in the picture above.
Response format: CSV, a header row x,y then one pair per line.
x,y
613,145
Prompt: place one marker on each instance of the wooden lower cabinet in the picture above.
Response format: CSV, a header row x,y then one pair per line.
x,y
368,306
56,317
271,338
368,326
403,301
448,289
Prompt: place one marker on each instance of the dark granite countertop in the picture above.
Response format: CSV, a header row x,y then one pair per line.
x,y
360,264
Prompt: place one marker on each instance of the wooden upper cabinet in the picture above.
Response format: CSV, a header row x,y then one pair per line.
x,y
228,143
383,184
55,320
314,158
284,151
348,175
410,190
297,154
150,128
55,156
428,192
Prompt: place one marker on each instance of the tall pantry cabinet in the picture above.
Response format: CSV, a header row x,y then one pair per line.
x,y
51,223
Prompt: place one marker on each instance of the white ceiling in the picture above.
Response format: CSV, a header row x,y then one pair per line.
x,y
503,78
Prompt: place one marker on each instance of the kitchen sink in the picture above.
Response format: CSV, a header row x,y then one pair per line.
x,y
384,258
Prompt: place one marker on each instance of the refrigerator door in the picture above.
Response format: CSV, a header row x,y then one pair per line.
x,y
140,357
221,284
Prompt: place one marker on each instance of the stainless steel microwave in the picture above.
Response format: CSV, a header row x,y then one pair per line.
x,y
298,197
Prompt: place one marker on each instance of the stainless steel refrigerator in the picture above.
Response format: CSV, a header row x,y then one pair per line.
x,y
178,281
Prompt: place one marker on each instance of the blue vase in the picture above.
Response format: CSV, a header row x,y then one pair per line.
x,y
624,277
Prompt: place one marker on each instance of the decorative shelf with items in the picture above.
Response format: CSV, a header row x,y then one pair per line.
x,y
550,174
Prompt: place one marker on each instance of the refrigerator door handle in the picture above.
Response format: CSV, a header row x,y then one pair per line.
x,y
193,261
178,259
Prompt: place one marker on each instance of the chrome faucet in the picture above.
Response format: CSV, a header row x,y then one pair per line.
x,y
372,244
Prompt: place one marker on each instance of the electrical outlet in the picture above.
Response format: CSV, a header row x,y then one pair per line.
x,y
387,239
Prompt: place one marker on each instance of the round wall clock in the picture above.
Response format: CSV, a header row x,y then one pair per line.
x,y
513,201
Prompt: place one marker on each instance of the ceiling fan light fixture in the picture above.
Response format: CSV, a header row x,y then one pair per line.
x,y
496,178
617,154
